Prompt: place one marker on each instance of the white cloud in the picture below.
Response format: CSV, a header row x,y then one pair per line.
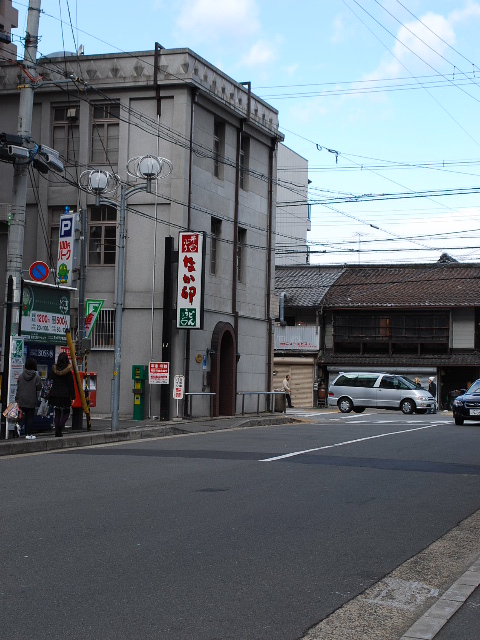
x,y
420,43
206,20
471,10
260,53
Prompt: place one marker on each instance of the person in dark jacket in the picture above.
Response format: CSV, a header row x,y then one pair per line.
x,y
62,392
29,385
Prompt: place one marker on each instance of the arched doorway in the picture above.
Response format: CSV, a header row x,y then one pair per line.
x,y
224,369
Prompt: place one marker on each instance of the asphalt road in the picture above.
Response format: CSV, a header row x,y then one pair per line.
x,y
219,535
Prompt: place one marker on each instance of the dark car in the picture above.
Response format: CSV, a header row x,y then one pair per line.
x,y
467,406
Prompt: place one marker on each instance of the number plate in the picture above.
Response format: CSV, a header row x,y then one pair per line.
x,y
475,412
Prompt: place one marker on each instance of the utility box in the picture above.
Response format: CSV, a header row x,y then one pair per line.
x,y
139,375
89,382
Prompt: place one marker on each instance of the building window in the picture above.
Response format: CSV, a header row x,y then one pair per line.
x,y
218,148
103,334
105,133
54,215
65,132
216,231
241,254
102,236
244,162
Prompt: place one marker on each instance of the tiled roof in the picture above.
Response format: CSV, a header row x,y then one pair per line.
x,y
305,286
425,285
378,362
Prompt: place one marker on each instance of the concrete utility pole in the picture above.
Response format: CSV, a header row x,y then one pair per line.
x,y
20,170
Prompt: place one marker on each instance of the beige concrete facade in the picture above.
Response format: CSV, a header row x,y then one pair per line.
x,y
171,103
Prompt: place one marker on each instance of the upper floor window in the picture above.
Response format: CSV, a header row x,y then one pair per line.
x,y
65,132
102,236
216,231
244,161
105,133
241,254
218,148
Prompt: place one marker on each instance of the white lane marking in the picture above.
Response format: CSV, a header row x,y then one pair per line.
x,y
341,444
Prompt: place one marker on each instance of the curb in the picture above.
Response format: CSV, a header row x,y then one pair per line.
x,y
92,438
433,620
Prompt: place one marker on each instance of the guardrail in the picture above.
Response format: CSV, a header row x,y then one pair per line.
x,y
189,399
268,394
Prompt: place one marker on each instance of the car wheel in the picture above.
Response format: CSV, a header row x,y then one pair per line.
x,y
358,409
459,421
345,405
407,406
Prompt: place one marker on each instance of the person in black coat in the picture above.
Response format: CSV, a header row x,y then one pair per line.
x,y
62,392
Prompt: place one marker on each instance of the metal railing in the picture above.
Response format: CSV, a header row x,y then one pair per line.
x,y
189,399
268,394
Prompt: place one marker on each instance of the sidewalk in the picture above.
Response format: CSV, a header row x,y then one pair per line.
x,y
101,432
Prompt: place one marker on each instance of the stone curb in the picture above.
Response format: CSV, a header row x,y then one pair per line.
x,y
85,439
433,620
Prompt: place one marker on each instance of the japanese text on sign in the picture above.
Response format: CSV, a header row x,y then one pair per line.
x,y
190,279
158,372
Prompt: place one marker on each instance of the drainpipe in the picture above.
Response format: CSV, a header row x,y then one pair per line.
x,y
270,267
235,239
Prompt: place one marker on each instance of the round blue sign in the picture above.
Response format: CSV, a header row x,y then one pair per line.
x,y
39,271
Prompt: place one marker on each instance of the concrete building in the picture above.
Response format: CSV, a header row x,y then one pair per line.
x,y
100,111
8,21
293,211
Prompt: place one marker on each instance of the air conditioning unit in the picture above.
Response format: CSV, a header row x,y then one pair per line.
x,y
72,114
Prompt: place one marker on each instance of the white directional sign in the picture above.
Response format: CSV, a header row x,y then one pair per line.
x,y
178,387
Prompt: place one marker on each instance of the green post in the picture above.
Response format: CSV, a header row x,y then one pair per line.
x,y
139,375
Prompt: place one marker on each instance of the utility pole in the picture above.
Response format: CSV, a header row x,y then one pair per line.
x,y
20,168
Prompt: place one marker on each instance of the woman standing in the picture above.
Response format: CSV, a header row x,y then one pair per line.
x,y
62,392
29,385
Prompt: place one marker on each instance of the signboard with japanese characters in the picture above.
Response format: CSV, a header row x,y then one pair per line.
x,y
17,346
191,260
158,373
178,387
66,248
92,311
45,312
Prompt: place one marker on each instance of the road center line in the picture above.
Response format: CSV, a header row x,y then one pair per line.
x,y
341,444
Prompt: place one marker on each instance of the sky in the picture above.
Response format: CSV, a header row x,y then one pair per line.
x,y
381,97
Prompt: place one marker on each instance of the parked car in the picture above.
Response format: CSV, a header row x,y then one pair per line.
x,y
467,406
357,391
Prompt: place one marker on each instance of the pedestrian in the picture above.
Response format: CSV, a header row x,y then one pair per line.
x,y
288,391
62,392
29,385
432,389
418,383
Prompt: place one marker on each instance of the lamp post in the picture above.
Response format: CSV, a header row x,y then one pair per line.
x,y
100,183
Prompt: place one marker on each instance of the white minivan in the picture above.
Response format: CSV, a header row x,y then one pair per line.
x,y
357,391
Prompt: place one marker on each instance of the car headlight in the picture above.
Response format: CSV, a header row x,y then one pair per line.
x,y
457,402
424,398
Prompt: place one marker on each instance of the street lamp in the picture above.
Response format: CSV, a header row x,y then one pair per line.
x,y
101,183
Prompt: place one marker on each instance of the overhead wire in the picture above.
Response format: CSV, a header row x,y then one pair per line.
x,y
209,151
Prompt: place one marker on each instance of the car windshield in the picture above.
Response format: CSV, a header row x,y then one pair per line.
x,y
475,388
410,383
